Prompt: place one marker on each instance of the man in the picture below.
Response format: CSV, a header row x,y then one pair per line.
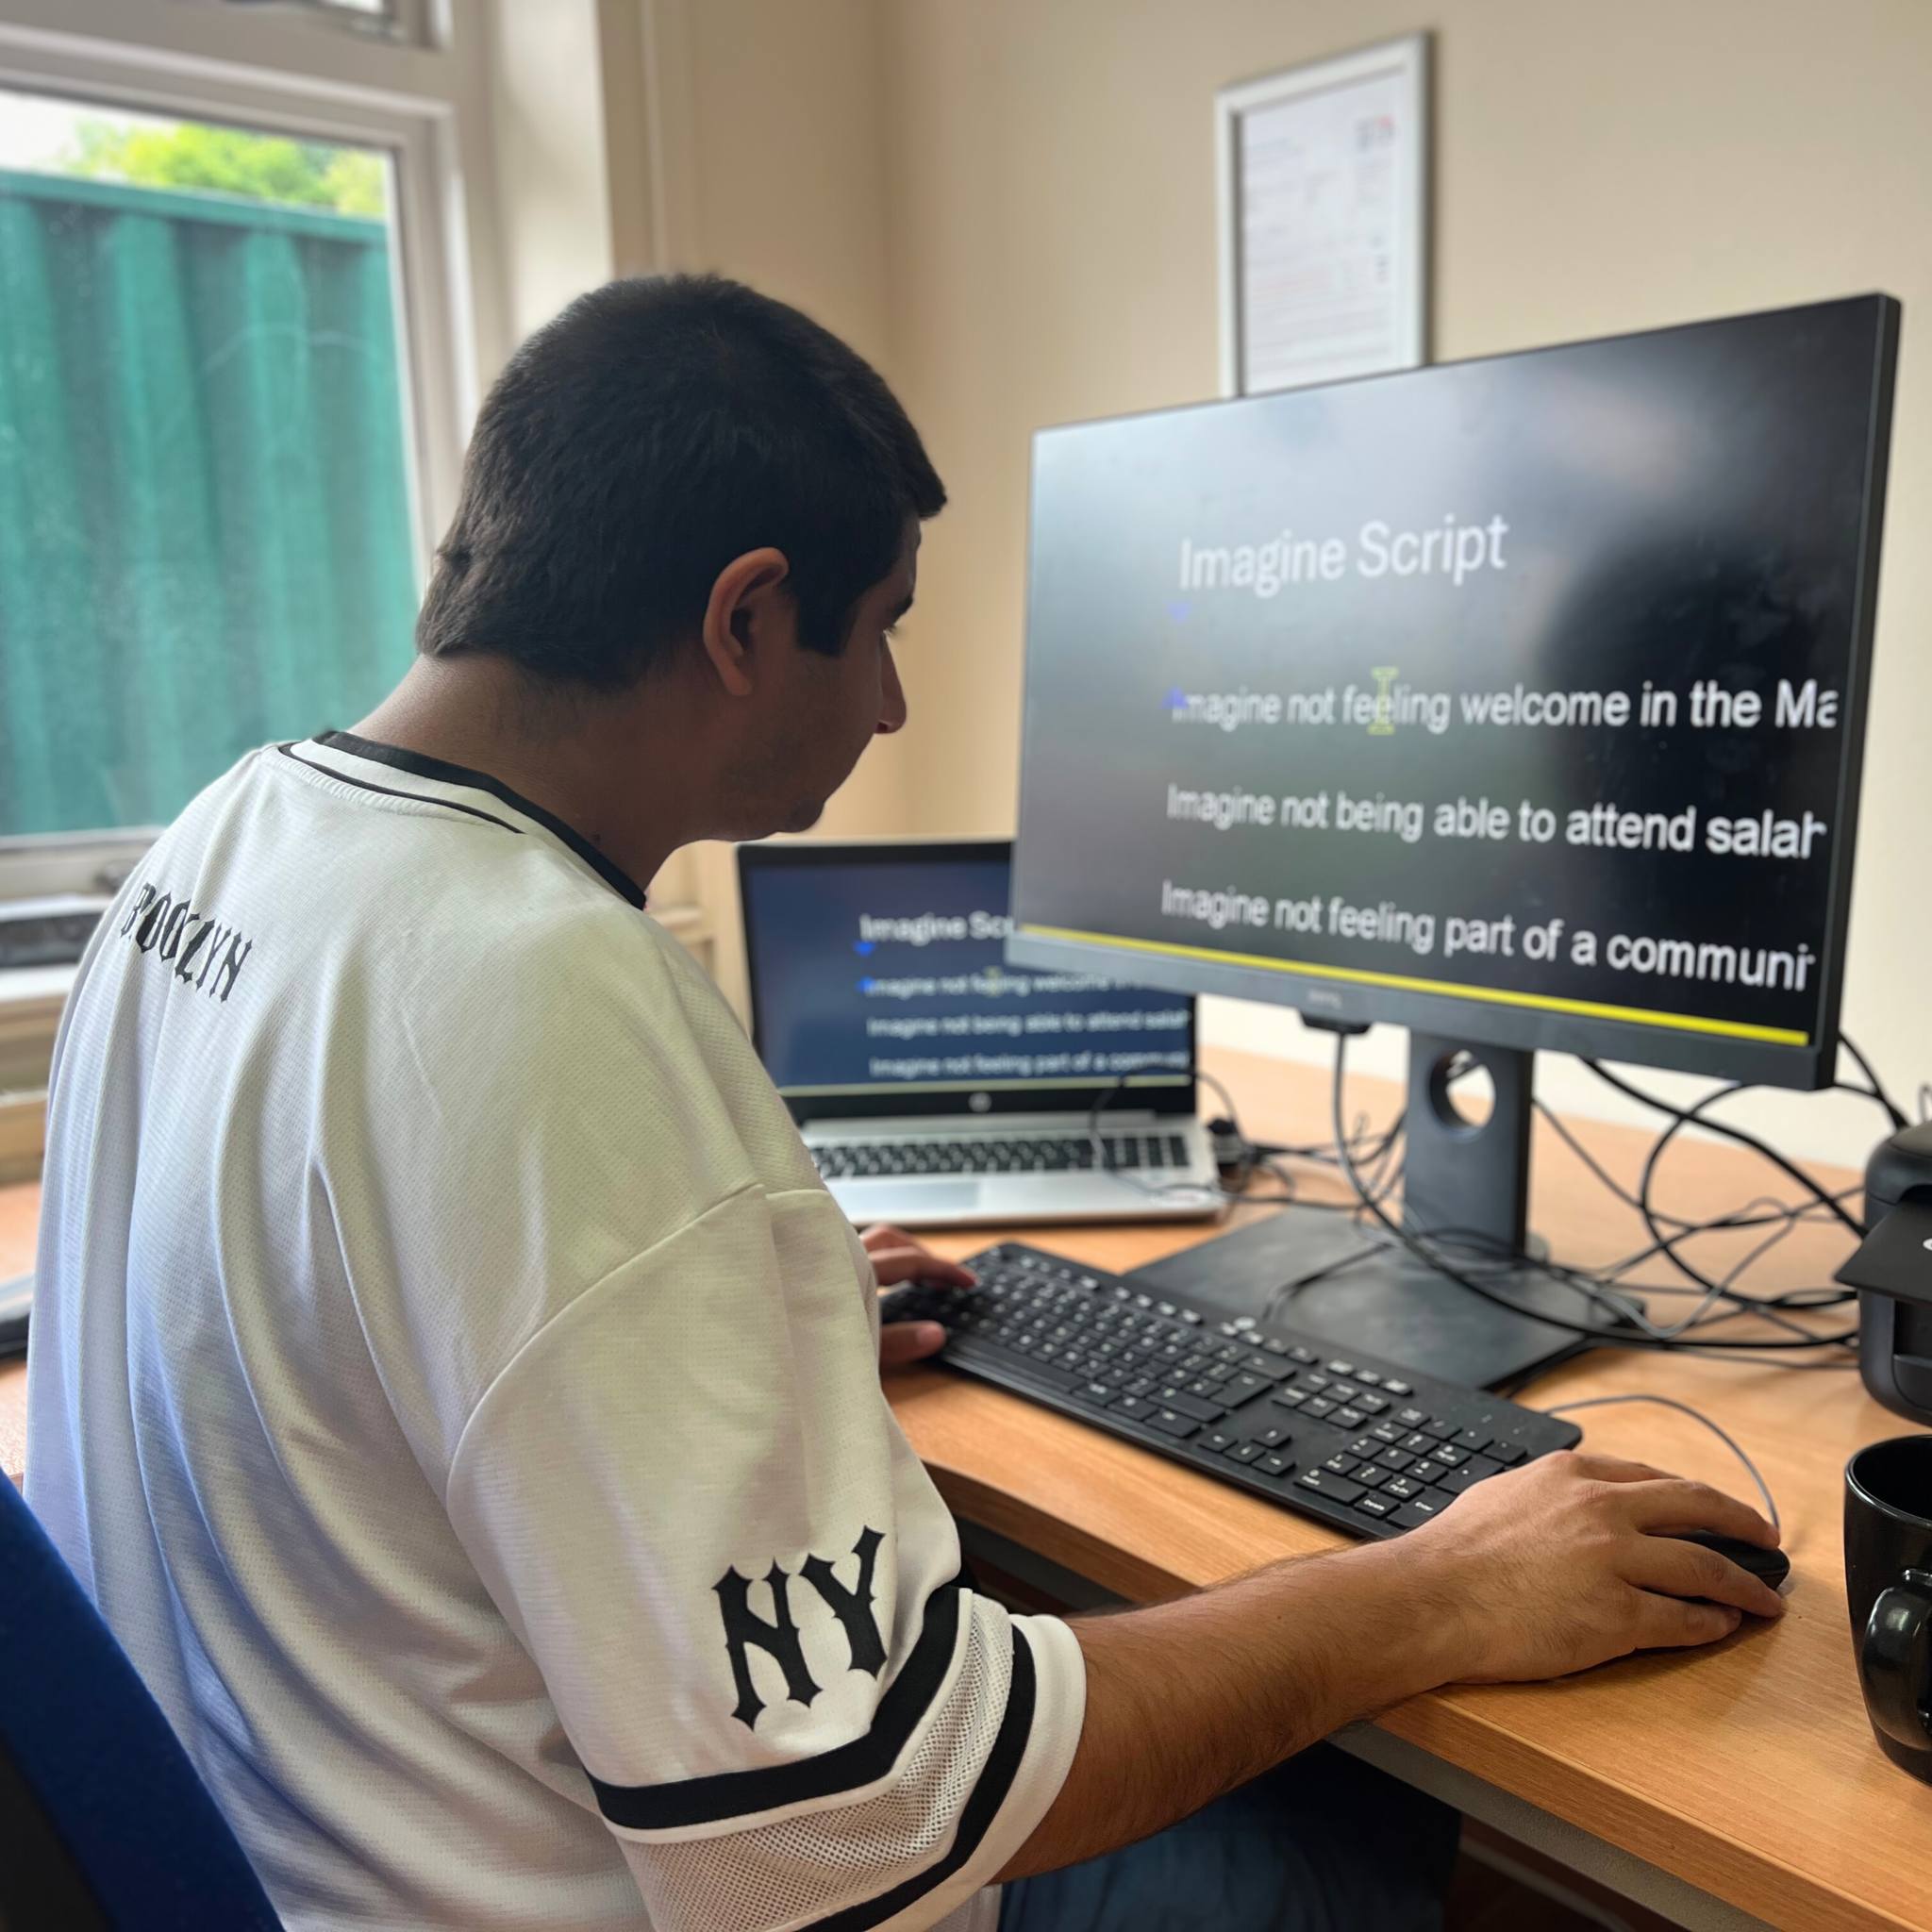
x,y
451,1379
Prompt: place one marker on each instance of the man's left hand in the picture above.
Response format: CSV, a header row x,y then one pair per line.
x,y
897,1257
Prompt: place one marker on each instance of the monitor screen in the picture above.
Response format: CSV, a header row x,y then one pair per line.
x,y
1519,701
880,982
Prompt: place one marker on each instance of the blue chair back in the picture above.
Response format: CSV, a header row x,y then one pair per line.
x,y
105,1819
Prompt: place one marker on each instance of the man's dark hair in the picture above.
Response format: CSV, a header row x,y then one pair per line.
x,y
656,430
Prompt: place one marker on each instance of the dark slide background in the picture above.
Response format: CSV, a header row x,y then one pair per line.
x,y
1681,505
806,974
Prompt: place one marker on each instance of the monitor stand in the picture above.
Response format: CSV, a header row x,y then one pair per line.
x,y
1380,1300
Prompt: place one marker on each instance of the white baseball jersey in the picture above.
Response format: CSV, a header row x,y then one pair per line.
x,y
454,1385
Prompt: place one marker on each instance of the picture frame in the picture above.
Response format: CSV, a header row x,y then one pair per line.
x,y
1322,180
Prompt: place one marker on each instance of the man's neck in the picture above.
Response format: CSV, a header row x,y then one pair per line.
x,y
477,711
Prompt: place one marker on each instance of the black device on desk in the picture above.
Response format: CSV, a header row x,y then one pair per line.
x,y
1366,1445
1893,1272
1520,701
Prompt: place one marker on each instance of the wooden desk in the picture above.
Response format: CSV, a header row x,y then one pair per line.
x,y
1748,1774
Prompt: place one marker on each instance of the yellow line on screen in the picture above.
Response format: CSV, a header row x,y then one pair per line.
x,y
1549,1003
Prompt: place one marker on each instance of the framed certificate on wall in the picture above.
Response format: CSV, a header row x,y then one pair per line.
x,y
1323,183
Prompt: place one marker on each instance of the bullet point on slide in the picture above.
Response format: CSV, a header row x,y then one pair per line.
x,y
863,946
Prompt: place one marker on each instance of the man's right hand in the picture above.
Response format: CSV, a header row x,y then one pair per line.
x,y
1570,1561
1563,1564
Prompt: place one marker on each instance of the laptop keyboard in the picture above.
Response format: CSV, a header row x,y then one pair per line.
x,y
846,1160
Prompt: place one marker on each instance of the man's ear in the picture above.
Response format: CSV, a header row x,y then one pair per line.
x,y
749,613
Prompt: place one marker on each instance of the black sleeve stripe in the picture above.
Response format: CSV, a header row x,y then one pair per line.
x,y
391,792
847,1767
996,1780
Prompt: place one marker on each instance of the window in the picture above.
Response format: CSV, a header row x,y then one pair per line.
x,y
207,532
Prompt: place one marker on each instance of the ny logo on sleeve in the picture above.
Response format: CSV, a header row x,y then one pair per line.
x,y
777,1636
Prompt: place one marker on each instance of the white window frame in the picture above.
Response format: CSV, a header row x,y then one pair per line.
x,y
427,106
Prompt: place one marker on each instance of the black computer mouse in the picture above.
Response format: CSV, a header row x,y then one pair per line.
x,y
1770,1566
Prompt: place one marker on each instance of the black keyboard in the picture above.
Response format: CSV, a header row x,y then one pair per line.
x,y
846,1160
1365,1445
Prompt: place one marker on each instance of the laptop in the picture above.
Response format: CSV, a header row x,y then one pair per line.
x,y
935,1085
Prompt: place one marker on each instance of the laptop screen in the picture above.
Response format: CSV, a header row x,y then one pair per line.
x,y
879,985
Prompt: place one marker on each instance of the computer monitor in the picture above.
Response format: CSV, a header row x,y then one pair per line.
x,y
1517,701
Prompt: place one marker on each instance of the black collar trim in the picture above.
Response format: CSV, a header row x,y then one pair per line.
x,y
445,774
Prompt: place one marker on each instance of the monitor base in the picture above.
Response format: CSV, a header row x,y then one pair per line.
x,y
1379,1301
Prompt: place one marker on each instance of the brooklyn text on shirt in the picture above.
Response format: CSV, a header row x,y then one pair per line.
x,y
199,950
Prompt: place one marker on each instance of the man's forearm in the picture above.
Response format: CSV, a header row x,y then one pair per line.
x,y
1186,1700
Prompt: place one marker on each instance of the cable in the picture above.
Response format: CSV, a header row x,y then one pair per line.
x,y
1592,1331
1874,1088
1682,1118
1723,1436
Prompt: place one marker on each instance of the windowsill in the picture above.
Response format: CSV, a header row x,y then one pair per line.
x,y
26,990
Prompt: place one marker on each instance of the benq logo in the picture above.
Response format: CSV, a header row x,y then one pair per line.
x,y
980,1103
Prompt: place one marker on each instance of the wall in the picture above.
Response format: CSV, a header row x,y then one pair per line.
x,y
1597,168
785,187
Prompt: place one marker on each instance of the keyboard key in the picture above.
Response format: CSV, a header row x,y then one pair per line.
x,y
1338,1489
1341,1464
1373,1505
1171,1424
1413,1515
1318,1405
1135,1407
1191,1405
1243,1388
1473,1440
1045,1372
1367,1378
1316,1381
1255,1363
1216,1441
1274,1463
1471,1472
1343,1392
1386,1432
1342,1368
1290,1398
1507,1454
1372,1405
1449,1456
1370,1475
1402,1488
1395,1459
1418,1442
1244,1451
1299,1354
1349,1418
1395,1388
1411,1418
1427,1471
1436,1427
1101,1394
1272,1439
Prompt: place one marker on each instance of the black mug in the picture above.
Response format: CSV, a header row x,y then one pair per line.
x,y
1889,1586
